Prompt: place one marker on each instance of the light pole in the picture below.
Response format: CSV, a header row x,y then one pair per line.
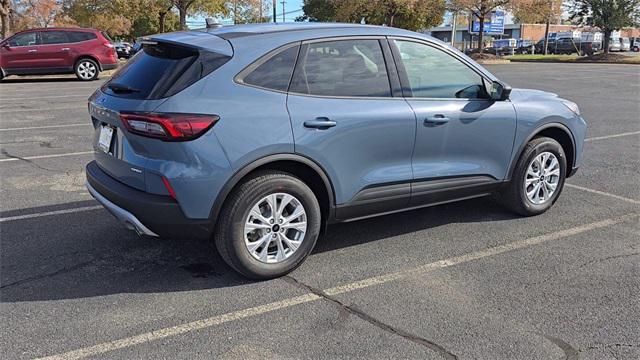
x,y
274,11
283,2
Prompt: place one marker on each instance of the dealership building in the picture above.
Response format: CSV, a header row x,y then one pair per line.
x,y
533,32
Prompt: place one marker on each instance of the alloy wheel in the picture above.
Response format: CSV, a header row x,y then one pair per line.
x,y
275,228
87,70
542,178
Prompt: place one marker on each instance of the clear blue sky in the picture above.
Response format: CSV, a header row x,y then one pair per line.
x,y
293,9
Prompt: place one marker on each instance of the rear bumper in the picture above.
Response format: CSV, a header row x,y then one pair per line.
x,y
106,67
147,214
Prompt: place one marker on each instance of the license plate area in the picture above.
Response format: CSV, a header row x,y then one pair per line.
x,y
106,138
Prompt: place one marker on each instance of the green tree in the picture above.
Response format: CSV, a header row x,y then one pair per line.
x,y
480,9
113,16
608,15
193,7
408,14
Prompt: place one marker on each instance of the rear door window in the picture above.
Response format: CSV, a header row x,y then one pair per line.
x,y
77,36
352,67
274,72
162,70
53,37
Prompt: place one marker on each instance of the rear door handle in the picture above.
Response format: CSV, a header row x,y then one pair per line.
x,y
436,120
321,123
32,50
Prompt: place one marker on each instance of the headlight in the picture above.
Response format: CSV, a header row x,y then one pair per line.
x,y
572,106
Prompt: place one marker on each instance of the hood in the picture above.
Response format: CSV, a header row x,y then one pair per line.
x,y
531,94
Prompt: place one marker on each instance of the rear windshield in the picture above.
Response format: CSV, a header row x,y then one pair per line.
x,y
162,70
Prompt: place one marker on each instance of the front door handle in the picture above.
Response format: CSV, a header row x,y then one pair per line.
x,y
321,123
65,49
436,120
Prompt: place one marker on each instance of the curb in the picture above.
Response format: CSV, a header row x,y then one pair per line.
x,y
577,62
493,62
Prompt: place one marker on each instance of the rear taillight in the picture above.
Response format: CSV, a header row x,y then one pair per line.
x,y
168,126
108,44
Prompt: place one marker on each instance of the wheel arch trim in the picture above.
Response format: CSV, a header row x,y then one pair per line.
x,y
246,169
535,133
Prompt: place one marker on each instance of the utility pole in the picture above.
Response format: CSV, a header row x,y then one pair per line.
x,y
274,11
453,29
546,29
283,15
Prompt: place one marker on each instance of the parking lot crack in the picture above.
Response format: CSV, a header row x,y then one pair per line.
x,y
7,154
48,275
351,309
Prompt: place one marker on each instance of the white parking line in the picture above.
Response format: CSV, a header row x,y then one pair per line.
x,y
48,213
614,196
307,298
46,156
45,97
4,111
612,136
46,127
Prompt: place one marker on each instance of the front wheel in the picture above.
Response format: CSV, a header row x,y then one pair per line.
x,y
268,225
87,69
537,179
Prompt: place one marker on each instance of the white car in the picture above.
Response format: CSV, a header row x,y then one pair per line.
x,y
625,44
614,44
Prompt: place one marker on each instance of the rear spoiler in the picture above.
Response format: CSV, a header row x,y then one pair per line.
x,y
192,39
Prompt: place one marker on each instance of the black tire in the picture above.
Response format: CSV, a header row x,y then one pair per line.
x,y
229,233
514,196
87,69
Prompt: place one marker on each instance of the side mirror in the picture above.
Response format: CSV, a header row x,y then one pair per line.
x,y
499,91
6,45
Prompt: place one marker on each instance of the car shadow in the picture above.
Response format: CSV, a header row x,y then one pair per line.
x,y
87,254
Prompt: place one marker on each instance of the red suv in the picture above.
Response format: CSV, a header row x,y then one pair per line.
x,y
85,52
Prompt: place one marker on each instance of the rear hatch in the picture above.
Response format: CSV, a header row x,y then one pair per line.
x,y
166,65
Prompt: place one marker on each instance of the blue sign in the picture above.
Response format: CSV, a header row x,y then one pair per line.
x,y
493,23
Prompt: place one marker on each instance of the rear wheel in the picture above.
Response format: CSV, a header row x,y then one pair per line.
x,y
269,225
537,179
87,69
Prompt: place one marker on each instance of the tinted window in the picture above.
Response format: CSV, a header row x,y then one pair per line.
x,y
26,39
162,70
432,73
76,36
274,73
342,68
53,37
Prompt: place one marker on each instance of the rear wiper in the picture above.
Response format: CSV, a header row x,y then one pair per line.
x,y
121,88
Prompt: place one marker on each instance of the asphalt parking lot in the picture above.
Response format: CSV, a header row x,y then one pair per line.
x,y
467,280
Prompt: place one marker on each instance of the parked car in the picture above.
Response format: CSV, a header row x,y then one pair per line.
x,y
615,44
123,50
260,135
635,46
85,52
569,45
504,46
135,47
625,44
524,47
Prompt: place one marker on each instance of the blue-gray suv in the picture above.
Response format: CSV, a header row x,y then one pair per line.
x,y
257,136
